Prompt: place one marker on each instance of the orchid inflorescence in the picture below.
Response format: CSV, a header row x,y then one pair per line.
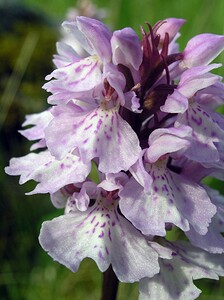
x,y
143,114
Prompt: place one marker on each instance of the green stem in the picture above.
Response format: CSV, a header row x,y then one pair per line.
x,y
110,285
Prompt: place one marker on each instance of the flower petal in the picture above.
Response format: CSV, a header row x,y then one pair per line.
x,y
173,199
75,79
175,280
205,132
98,35
174,139
126,48
103,235
202,49
99,133
51,174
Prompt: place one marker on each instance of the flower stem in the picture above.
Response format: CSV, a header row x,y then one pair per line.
x,y
110,285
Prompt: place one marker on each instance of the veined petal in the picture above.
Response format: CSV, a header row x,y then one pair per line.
x,y
78,36
103,235
99,133
66,55
202,49
175,280
173,199
98,35
126,48
75,78
51,174
205,132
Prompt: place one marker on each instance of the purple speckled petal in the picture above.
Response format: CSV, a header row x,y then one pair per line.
x,y
202,49
75,78
175,140
175,280
98,35
205,132
126,48
103,235
173,199
100,133
51,174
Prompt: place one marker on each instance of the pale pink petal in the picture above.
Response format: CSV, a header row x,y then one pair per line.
x,y
213,240
98,35
40,122
202,49
175,280
175,140
170,26
75,78
126,48
51,174
99,133
205,132
173,199
103,235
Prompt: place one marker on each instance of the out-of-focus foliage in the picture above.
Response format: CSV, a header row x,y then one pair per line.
x,y
28,35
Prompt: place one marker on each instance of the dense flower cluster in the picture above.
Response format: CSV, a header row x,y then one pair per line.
x,y
143,114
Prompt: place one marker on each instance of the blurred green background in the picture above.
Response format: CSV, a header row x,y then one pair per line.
x,y
29,30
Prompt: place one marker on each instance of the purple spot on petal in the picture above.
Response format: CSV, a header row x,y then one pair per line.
x,y
107,251
103,225
101,235
88,127
99,124
196,121
93,219
94,115
100,255
109,235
